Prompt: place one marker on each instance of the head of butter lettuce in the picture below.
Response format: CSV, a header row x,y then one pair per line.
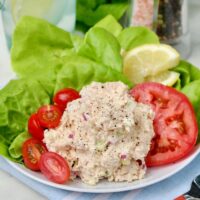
x,y
46,59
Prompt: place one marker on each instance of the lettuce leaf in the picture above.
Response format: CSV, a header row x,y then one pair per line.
x,y
4,148
92,4
18,100
79,71
132,37
177,85
77,41
192,91
15,149
90,12
101,46
110,24
38,48
188,72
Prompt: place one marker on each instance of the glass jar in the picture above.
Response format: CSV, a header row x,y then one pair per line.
x,y
61,13
168,18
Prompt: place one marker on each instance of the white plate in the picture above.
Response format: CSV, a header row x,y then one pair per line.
x,y
153,175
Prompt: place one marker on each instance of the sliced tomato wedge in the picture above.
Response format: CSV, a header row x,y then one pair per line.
x,y
49,116
175,123
32,150
34,127
54,167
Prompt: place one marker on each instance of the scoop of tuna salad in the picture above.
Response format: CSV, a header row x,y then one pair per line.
x,y
104,134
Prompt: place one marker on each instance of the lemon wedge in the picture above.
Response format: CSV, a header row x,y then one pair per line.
x,y
168,78
149,60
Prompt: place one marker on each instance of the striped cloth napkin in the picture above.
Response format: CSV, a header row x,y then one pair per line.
x,y
165,190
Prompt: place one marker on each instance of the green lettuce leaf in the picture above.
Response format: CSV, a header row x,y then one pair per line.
x,y
91,14
47,84
101,46
77,41
177,85
81,27
18,100
188,73
92,4
192,91
38,48
4,145
132,37
110,24
79,71
15,149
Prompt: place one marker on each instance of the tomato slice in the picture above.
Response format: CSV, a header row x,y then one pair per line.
x,y
49,116
54,167
64,96
32,150
34,127
175,124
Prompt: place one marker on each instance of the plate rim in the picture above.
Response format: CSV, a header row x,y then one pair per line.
x,y
109,190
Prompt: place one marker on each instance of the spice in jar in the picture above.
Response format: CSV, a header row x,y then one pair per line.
x,y
142,13
169,20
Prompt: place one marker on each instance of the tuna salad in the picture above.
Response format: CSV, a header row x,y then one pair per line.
x,y
105,134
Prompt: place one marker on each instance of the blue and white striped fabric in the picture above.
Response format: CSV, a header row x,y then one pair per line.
x,y
165,190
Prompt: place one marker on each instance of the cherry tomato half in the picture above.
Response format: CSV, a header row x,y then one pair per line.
x,y
175,124
49,116
54,167
34,127
64,96
32,150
